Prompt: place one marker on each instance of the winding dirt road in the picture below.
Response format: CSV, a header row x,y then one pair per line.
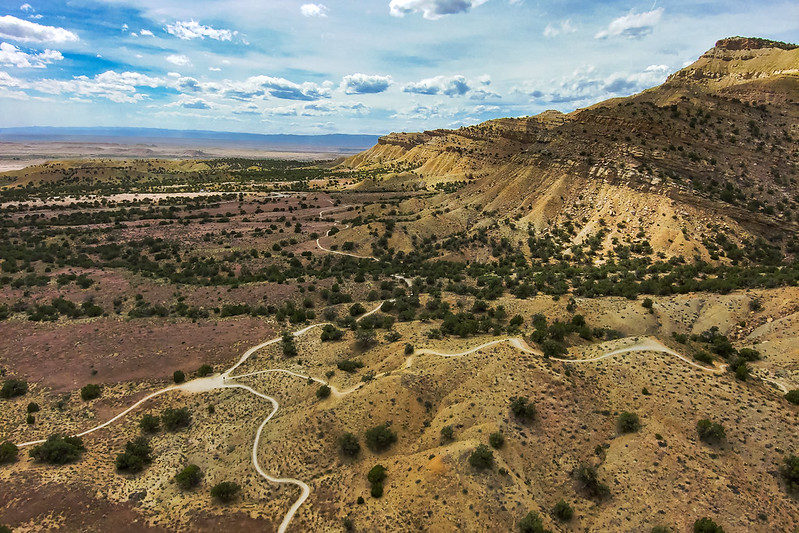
x,y
226,380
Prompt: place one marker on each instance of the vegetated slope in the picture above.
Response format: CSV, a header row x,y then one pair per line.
x,y
714,149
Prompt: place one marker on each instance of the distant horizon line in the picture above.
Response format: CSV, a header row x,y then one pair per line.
x,y
33,130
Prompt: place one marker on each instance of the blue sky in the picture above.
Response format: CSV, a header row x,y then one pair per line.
x,y
347,66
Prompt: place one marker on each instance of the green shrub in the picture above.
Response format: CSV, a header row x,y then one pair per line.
x,y
8,452
90,392
135,457
793,396
13,387
5,529
409,349
496,440
365,338
30,419
349,365
205,371
523,409
628,422
178,376
33,407
563,511
589,480
150,423
225,491
377,490
749,354
704,357
376,474
357,309
380,438
447,434
174,419
706,525
482,457
790,473
189,477
710,432
323,392
553,348
58,450
532,523
331,333
349,445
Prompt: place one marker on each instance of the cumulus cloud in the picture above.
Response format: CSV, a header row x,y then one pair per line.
x,y
329,108
250,109
365,84
418,112
146,33
587,86
449,86
114,86
553,30
282,111
262,86
191,29
27,8
632,25
11,56
196,104
25,31
314,10
432,9
179,60
189,85
252,88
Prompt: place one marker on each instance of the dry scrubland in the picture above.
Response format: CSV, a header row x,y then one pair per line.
x,y
653,227
662,474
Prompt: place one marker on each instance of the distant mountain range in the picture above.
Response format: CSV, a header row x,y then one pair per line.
x,y
332,142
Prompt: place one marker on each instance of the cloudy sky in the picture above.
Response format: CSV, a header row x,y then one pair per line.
x,y
347,66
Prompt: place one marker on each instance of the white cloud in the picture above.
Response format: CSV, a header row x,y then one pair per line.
x,y
419,112
632,25
146,33
190,103
563,28
365,84
328,108
25,31
12,56
214,69
282,111
114,86
262,86
432,9
586,85
449,86
314,10
179,60
191,29
27,8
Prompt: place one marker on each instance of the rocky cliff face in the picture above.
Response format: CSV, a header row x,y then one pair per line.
x,y
738,61
718,143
